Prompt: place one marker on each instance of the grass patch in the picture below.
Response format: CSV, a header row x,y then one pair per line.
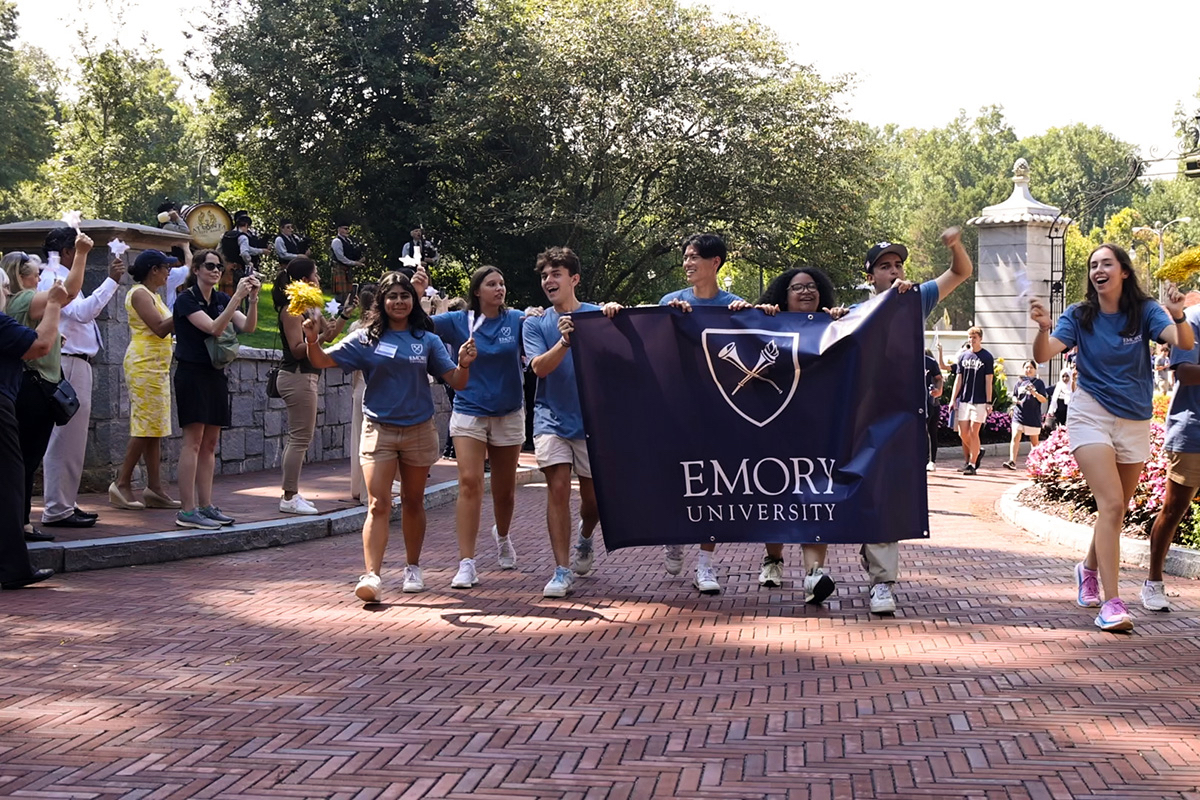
x,y
266,333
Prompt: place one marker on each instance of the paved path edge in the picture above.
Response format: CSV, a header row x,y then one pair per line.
x,y
178,544
1181,561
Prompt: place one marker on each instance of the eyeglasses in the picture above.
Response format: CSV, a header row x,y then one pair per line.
x,y
803,288
215,266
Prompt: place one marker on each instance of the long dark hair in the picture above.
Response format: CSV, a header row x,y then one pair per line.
x,y
198,259
477,279
776,293
1132,295
377,318
296,270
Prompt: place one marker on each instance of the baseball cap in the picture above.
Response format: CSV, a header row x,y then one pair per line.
x,y
879,250
149,259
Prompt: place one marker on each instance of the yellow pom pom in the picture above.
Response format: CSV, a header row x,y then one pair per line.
x,y
1178,268
303,296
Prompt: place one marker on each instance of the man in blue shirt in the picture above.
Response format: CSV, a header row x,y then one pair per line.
x,y
1182,443
703,256
885,270
973,394
558,434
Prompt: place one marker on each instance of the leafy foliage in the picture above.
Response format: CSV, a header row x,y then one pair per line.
x,y
25,136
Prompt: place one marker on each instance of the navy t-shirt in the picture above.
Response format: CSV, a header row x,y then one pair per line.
x,y
976,371
189,340
1029,408
932,373
1183,417
396,372
15,341
1115,369
496,386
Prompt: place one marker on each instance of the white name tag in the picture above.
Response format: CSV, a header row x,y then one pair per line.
x,y
386,350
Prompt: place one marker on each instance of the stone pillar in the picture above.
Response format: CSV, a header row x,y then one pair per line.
x,y
1013,242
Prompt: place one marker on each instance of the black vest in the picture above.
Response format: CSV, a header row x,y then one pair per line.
x,y
351,249
229,246
292,244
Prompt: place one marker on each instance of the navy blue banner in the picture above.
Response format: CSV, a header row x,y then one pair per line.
x,y
720,426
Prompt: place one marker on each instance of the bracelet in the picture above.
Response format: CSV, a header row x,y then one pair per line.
x,y
1179,321
564,342
1043,330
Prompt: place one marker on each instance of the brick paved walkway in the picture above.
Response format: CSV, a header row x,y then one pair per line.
x,y
257,675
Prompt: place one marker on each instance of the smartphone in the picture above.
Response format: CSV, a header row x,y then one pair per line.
x,y
353,294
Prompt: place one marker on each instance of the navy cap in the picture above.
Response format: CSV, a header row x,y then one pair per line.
x,y
876,252
149,259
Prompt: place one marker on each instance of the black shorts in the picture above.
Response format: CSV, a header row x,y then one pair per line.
x,y
201,395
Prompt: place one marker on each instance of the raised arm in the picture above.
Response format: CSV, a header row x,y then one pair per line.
x,y
1045,346
47,329
215,327
316,356
74,279
1180,334
960,263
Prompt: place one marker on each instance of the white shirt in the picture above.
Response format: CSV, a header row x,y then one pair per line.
x,y
77,322
175,279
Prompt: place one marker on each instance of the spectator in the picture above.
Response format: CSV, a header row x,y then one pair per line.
x,y
366,299
973,393
42,375
63,465
19,345
201,389
148,376
170,220
297,379
1061,399
1027,413
1162,369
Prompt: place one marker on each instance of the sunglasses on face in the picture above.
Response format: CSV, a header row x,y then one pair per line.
x,y
215,266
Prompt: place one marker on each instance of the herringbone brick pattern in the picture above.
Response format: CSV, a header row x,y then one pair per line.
x,y
257,675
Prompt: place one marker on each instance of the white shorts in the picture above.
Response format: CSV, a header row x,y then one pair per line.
x,y
1028,430
552,450
503,431
972,412
1088,422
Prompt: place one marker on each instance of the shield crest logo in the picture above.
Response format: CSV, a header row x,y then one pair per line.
x,y
416,347
756,371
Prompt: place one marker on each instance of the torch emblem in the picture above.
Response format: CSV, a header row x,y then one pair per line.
x,y
776,370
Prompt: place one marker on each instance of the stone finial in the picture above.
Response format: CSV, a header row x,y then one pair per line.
x,y
1021,169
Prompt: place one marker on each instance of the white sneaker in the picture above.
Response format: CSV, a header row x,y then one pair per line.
x,y
584,555
1154,596
560,584
673,558
297,505
369,588
507,554
882,599
466,577
931,467
413,580
771,573
818,586
706,581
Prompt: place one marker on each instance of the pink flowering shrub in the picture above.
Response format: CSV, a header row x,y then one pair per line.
x,y
997,428
1052,466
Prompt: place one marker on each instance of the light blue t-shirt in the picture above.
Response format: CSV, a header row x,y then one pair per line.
x,y
1114,369
556,407
495,388
1183,418
723,298
396,370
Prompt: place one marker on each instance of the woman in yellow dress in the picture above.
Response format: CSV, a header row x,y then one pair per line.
x,y
148,377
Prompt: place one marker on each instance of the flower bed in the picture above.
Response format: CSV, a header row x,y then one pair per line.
x,y
998,428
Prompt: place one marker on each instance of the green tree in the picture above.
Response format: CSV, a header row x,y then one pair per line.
x,y
616,127
25,138
125,142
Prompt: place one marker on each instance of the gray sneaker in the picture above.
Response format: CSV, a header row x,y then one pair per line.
x,y
214,513
194,519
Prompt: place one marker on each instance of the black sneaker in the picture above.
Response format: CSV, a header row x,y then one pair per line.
x,y
969,469
1009,465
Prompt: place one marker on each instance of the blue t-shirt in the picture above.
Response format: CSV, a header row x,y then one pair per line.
x,y
15,341
1029,408
395,370
496,387
556,407
723,298
1115,369
1183,417
976,370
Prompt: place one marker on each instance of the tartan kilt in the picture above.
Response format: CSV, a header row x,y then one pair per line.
x,y
343,279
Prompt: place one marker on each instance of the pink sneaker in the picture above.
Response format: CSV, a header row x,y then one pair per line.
x,y
1114,616
1088,585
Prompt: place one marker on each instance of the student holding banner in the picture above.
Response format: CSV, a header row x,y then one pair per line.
x,y
885,270
703,256
558,434
1108,420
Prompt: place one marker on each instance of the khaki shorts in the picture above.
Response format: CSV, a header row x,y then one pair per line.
x,y
1183,468
1028,430
552,450
1088,422
503,431
972,412
412,445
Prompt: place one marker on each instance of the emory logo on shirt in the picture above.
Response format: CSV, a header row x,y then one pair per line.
x,y
418,353
756,371
505,336
1131,339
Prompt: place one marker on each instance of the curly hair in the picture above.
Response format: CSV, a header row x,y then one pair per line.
x,y
776,292
376,316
